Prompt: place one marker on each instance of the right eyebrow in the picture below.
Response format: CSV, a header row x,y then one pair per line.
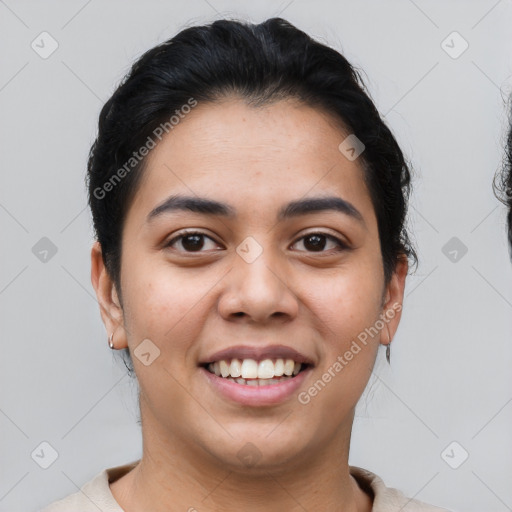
x,y
193,204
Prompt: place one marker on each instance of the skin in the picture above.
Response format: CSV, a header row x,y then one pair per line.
x,y
192,304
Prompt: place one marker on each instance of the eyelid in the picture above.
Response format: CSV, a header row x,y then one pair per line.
x,y
322,231
190,231
342,245
339,241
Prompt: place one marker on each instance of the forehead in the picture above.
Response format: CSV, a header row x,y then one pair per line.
x,y
251,156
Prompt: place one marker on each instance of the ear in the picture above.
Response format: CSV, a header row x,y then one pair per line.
x,y
106,293
393,298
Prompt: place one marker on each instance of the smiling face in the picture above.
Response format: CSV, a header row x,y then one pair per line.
x,y
283,262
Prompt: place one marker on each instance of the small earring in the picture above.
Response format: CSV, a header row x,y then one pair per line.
x,y
388,347
111,341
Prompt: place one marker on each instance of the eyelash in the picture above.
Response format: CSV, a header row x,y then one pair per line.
x,y
342,246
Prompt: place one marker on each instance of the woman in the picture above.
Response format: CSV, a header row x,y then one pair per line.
x,y
251,256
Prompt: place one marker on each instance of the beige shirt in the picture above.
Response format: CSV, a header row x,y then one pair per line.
x,y
95,495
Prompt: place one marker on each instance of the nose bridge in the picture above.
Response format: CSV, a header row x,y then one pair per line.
x,y
257,267
258,285
262,272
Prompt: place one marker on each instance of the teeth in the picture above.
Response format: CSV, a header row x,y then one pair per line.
x,y
257,382
249,369
224,368
279,368
235,369
264,371
289,365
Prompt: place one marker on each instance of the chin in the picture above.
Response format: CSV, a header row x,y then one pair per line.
x,y
260,451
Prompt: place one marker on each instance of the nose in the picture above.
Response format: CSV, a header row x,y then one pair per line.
x,y
257,292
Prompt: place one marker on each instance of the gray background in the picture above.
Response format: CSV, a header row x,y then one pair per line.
x,y
450,378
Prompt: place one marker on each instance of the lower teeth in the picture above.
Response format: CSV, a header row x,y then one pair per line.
x,y
258,382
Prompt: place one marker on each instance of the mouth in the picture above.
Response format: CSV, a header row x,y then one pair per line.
x,y
251,372
257,376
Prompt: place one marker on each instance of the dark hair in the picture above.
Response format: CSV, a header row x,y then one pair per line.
x,y
260,63
502,183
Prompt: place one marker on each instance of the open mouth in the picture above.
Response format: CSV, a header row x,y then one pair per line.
x,y
250,372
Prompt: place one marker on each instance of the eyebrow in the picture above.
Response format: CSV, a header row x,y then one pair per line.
x,y
291,210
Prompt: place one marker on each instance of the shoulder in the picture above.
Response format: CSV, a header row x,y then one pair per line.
x,y
94,495
90,497
388,499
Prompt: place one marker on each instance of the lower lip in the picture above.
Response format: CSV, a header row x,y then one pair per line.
x,y
256,395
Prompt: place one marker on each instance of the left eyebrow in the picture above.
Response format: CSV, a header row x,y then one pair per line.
x,y
320,204
293,209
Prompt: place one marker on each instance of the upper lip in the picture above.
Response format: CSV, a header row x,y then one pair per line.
x,y
258,353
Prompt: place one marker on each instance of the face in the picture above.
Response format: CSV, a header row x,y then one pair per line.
x,y
267,274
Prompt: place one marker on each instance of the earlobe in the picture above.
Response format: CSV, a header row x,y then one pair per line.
x,y
106,294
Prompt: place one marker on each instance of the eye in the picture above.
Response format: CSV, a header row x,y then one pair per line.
x,y
194,241
191,241
316,242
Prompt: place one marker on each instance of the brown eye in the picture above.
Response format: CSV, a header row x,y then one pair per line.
x,y
190,242
316,242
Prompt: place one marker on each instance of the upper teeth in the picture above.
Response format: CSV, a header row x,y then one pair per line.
x,y
251,369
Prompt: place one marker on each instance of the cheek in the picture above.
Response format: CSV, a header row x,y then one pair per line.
x,y
350,299
347,310
350,344
157,301
164,307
